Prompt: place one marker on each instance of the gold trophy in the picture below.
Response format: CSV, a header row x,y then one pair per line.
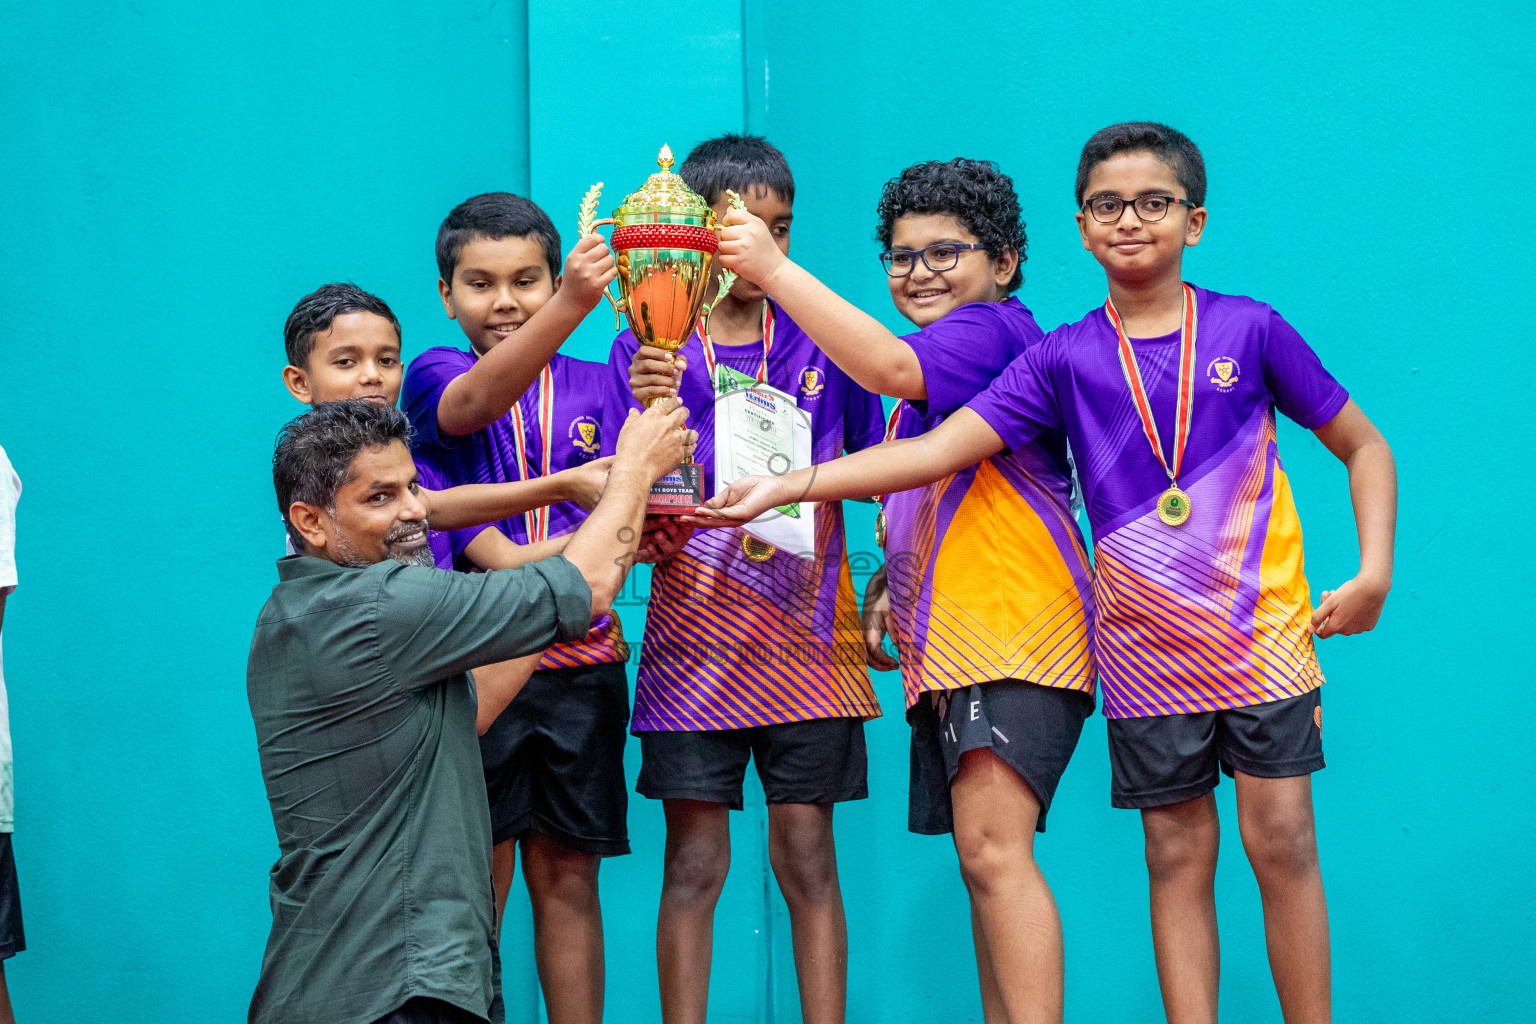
x,y
664,241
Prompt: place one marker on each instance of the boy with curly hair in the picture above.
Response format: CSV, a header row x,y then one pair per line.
x,y
1205,627
986,587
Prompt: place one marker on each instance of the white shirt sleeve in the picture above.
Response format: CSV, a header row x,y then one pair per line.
x,y
10,492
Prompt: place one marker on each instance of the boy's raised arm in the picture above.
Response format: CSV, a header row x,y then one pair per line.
x,y
484,393
876,359
960,441
1356,605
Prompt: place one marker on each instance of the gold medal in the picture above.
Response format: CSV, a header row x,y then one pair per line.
x,y
756,550
1173,507
1172,504
880,528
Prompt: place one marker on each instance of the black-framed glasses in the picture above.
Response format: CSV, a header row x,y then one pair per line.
x,y
938,257
1150,208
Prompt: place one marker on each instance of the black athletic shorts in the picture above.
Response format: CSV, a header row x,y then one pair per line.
x,y
1168,759
554,760
822,761
422,1010
12,939
1032,728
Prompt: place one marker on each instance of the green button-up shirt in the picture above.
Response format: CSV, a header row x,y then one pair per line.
x,y
365,719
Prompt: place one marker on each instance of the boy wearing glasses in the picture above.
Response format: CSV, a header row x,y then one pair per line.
x,y
1204,628
986,587
751,653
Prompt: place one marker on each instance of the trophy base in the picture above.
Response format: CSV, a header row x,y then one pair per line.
x,y
678,493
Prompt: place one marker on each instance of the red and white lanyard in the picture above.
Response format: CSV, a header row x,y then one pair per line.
x,y
709,347
536,521
892,424
1184,409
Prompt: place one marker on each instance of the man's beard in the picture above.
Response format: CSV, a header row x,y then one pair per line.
x,y
345,554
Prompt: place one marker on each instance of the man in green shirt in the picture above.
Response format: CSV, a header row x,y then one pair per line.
x,y
364,707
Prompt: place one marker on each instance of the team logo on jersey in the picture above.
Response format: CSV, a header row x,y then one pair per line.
x,y
583,435
811,382
1223,372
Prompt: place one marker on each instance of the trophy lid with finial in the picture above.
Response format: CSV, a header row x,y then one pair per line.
x,y
666,188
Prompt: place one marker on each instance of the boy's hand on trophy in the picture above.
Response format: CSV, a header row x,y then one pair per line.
x,y
660,538
741,502
653,375
747,247
588,269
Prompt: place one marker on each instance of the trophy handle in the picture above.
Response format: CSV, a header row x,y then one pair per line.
x,y
586,225
727,277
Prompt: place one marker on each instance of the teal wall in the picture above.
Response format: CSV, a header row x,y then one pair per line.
x,y
173,177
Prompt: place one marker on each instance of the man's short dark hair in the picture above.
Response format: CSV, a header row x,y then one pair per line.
x,y
1171,147
736,162
974,192
495,215
314,451
319,309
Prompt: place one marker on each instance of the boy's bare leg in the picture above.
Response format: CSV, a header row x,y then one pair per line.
x,y
1182,842
697,858
804,860
503,867
5,1000
991,1001
1275,817
567,928
995,815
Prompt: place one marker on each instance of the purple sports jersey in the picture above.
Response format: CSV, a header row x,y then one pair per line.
x,y
988,574
730,642
489,455
1212,614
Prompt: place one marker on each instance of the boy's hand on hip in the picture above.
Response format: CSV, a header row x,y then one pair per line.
x,y
588,269
584,484
1353,608
652,374
878,623
653,442
747,248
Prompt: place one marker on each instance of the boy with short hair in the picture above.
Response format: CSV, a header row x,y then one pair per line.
x,y
751,652
511,408
1204,628
990,612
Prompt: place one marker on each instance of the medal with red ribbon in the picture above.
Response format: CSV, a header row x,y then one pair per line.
x,y
536,521
892,422
1172,504
756,550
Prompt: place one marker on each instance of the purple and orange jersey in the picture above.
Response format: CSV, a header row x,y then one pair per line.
x,y
490,455
1211,614
731,642
988,574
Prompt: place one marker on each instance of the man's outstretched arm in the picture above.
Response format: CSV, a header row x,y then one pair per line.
x,y
960,441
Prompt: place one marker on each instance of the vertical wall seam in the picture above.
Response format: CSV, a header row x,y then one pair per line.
x,y
527,168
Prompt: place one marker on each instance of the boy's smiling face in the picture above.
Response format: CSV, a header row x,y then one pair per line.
x,y
1132,251
498,283
358,356
772,209
924,295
